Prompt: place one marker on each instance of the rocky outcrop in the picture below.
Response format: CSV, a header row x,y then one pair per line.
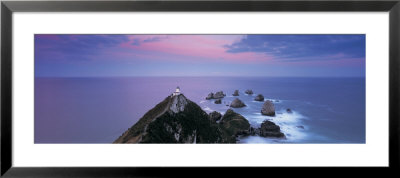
x,y
178,104
232,125
259,97
210,96
237,103
236,93
288,110
218,101
254,131
249,92
268,108
217,95
215,116
270,129
300,127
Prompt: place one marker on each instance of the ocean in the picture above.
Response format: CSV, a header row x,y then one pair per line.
x,y
100,109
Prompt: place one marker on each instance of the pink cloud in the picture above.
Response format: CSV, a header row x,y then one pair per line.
x,y
199,46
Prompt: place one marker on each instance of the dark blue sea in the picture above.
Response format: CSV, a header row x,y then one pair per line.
x,y
99,110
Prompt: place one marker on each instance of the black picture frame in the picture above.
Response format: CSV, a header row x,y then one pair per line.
x,y
8,7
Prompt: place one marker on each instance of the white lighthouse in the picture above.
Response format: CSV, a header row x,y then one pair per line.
x,y
177,92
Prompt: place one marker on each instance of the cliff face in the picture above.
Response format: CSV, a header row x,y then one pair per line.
x,y
178,104
179,120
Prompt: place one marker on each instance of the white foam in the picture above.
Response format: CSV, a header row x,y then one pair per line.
x,y
288,123
273,100
293,133
288,118
258,117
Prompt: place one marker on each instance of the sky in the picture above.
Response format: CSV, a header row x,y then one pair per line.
x,y
199,55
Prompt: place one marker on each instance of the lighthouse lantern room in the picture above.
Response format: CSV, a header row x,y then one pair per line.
x,y
177,92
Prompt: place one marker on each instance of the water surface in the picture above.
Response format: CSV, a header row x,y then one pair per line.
x,y
99,110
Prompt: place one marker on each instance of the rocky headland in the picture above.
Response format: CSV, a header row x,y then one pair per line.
x,y
179,120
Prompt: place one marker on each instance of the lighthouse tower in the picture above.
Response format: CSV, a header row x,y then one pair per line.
x,y
177,92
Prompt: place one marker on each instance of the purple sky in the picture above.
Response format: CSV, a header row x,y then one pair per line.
x,y
199,55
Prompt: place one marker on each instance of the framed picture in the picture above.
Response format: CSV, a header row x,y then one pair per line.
x,y
141,88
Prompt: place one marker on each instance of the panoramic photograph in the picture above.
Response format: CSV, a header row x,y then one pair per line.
x,y
199,89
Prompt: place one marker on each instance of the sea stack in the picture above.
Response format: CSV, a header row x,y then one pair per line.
x,y
249,92
218,101
270,129
210,96
268,108
236,93
259,97
237,103
217,95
